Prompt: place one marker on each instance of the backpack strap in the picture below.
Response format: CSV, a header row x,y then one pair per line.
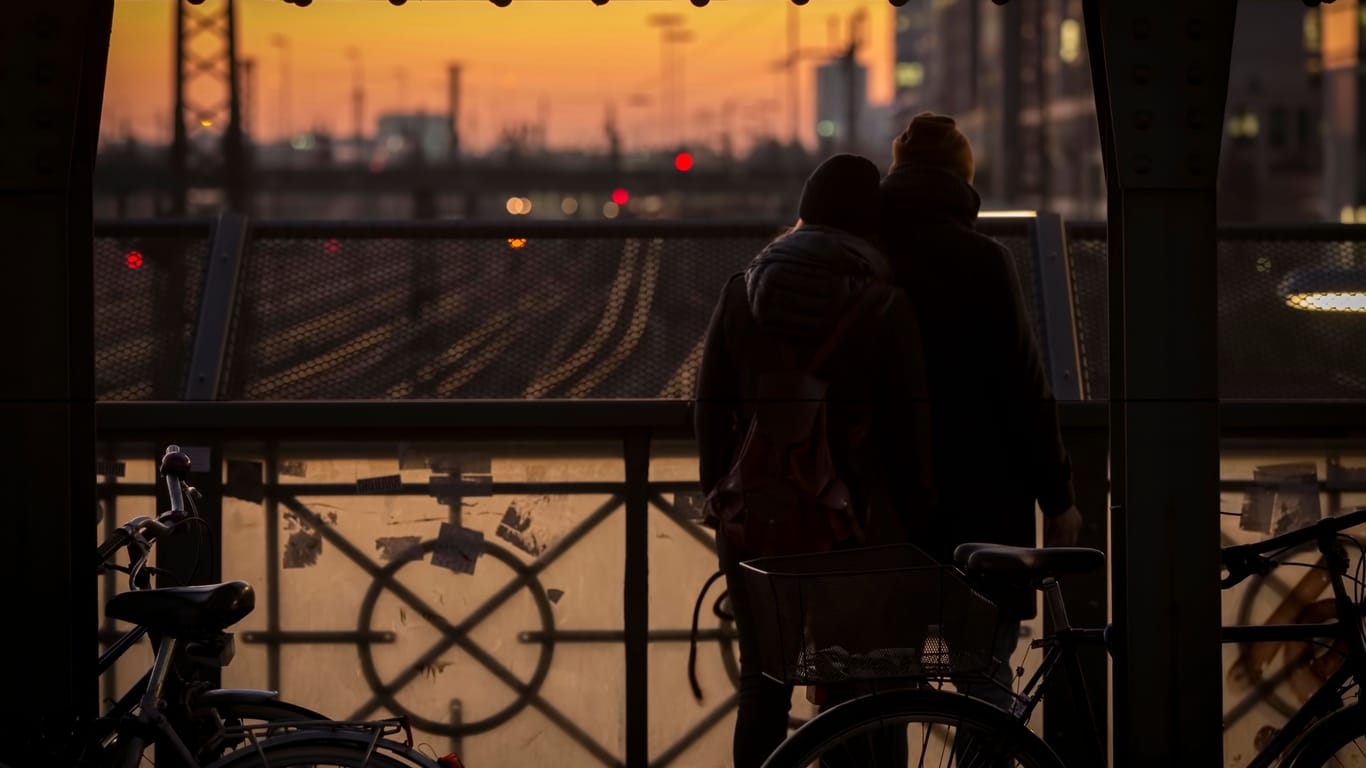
x,y
870,294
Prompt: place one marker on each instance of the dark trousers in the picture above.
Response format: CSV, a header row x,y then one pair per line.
x,y
761,721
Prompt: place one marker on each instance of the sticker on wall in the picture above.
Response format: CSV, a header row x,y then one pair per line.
x,y
515,529
399,548
293,468
244,481
457,548
379,484
303,549
1284,497
1346,478
110,468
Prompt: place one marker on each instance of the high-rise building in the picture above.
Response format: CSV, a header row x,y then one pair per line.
x,y
842,106
1017,78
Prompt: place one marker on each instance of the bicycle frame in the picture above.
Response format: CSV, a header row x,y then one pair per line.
x,y
1060,648
1327,698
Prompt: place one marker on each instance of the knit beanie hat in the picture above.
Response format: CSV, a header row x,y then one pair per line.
x,y
934,141
842,193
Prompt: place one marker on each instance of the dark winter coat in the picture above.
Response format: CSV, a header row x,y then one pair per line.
x,y
792,295
996,444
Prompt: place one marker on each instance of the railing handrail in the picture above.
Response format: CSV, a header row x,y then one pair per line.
x,y
666,418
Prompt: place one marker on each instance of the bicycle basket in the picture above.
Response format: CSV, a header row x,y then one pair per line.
x,y
872,613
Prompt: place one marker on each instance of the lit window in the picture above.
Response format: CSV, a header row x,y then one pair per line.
x,y
1243,125
909,74
1069,41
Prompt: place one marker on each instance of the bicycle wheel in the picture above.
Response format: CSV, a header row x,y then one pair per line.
x,y
333,750
1338,740
913,727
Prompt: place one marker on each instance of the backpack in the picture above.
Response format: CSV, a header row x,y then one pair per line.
x,y
783,495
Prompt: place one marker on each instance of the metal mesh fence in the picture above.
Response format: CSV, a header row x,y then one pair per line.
x,y
1090,271
1015,237
593,315
1292,312
409,311
474,314
148,280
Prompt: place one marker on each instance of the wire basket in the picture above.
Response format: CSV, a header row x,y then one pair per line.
x,y
873,613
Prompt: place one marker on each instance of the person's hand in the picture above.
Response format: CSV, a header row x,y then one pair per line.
x,y
1062,530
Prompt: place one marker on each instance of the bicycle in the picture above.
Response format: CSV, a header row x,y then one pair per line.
x,y
199,726
944,727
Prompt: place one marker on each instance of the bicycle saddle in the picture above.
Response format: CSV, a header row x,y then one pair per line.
x,y
977,557
184,611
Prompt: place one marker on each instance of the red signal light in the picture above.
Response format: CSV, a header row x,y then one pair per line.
x,y
133,260
620,196
683,161
332,247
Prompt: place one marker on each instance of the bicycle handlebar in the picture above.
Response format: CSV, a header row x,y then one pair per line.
x,y
1244,560
175,466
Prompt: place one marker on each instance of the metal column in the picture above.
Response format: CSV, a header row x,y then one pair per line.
x,y
54,57
1160,72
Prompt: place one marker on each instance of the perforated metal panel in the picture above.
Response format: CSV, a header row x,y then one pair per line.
x,y
558,314
1275,340
148,282
1090,271
1013,235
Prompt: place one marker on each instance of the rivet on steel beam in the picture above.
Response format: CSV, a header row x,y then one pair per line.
x,y
1195,163
1195,120
1142,164
1195,28
1143,119
1142,29
1195,75
1142,75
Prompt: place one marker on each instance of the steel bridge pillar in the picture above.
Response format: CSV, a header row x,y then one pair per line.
x,y
54,57
1160,73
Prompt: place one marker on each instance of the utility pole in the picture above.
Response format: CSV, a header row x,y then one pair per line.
x,y
281,43
453,105
357,96
677,38
664,22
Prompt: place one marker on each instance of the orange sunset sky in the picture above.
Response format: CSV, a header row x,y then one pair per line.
x,y
562,58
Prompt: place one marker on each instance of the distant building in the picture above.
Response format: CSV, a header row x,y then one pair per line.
x,y
841,97
1271,164
419,138
1017,78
